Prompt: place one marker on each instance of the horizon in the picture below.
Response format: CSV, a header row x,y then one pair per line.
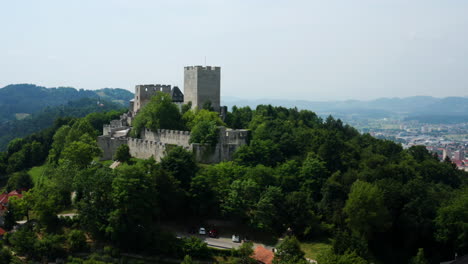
x,y
315,50
231,98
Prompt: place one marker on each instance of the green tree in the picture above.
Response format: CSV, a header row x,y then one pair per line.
x,y
187,260
289,252
81,153
268,210
195,247
19,180
365,209
205,132
181,164
76,240
349,257
159,113
452,221
123,153
244,252
419,258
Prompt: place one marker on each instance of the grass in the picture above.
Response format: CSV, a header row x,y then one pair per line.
x,y
313,248
37,174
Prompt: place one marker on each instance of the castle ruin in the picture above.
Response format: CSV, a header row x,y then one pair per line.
x,y
201,84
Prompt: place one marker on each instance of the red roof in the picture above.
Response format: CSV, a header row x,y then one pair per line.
x,y
2,231
263,255
4,197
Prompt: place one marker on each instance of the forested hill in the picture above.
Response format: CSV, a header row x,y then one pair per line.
x,y
369,200
19,99
45,118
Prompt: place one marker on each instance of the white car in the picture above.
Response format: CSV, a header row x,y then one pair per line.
x,y
236,238
202,231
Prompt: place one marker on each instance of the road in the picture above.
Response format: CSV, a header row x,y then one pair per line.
x,y
220,242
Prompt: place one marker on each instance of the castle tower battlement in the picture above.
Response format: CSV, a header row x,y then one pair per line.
x,y
202,84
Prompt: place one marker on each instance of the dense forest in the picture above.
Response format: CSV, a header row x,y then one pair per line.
x,y
317,179
29,98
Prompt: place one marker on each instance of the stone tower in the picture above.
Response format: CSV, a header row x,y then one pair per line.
x,y
202,84
143,94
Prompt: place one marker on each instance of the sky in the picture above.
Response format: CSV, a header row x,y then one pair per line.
x,y
292,49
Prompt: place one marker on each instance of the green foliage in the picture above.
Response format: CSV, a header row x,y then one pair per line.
x,y
205,132
452,223
365,209
195,247
81,152
159,113
244,253
19,180
289,252
347,258
76,240
181,164
193,117
123,153
419,258
187,260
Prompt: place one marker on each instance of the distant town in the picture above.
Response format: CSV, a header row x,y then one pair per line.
x,y
446,140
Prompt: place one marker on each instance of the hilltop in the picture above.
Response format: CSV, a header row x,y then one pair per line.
x,y
18,101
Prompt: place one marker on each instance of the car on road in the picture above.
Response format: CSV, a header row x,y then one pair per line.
x,y
213,233
202,231
236,238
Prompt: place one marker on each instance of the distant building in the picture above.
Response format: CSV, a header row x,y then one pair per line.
x,y
459,155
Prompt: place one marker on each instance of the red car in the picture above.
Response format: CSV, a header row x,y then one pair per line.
x,y
213,233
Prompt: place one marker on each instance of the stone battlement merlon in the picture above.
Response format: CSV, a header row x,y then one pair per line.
x,y
199,67
168,131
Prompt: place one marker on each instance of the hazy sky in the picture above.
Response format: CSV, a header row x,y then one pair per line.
x,y
294,49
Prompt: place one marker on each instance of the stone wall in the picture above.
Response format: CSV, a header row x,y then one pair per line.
x,y
109,146
145,149
173,137
143,94
155,143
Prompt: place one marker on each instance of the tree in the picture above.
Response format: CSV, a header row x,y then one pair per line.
x,y
244,252
205,132
451,221
195,247
267,215
349,257
365,209
123,153
187,260
181,164
81,153
135,206
208,106
289,252
159,113
18,181
76,240
419,258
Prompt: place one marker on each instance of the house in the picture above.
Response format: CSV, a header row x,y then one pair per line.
x,y
263,255
4,198
2,232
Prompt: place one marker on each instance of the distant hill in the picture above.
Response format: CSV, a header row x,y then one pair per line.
x,y
18,100
45,118
414,108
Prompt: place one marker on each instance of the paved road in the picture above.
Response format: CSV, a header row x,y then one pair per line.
x,y
220,242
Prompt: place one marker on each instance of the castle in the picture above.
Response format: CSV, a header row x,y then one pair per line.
x,y
202,84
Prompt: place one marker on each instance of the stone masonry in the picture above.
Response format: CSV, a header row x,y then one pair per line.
x,y
200,85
